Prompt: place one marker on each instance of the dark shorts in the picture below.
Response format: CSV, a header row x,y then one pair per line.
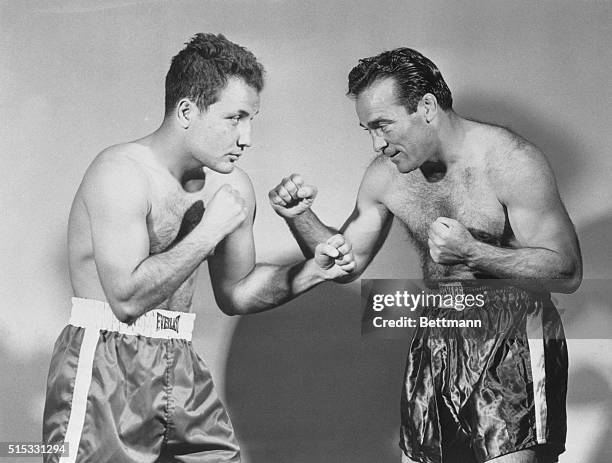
x,y
487,391
120,396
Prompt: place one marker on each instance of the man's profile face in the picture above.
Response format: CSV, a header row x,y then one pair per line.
x,y
406,139
220,134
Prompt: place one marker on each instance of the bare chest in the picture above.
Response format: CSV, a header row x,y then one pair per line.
x,y
465,196
174,214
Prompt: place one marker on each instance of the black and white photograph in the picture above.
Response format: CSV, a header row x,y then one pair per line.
x,y
281,231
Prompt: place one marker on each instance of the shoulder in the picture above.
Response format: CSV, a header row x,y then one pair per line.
x,y
380,167
116,160
378,177
514,163
238,179
115,174
503,148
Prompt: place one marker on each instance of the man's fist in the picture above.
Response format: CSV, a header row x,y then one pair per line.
x,y
225,211
291,197
449,241
335,257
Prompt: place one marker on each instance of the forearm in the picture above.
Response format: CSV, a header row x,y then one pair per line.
x,y
551,269
268,286
159,276
308,231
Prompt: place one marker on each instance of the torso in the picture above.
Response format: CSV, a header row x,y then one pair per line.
x,y
169,202
465,193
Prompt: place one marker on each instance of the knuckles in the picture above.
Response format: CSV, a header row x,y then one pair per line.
x,y
288,189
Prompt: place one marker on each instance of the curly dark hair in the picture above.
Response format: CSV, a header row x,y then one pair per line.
x,y
201,69
414,75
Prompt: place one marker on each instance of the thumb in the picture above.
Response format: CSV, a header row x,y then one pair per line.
x,y
327,250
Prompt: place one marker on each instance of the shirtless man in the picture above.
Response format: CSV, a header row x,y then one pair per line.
x,y
478,202
125,384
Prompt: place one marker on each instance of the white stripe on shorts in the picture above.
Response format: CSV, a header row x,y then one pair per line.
x,y
79,395
538,376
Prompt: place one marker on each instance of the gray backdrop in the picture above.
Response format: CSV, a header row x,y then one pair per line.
x,y
301,383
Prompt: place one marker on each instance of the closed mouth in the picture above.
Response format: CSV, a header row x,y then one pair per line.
x,y
233,157
390,151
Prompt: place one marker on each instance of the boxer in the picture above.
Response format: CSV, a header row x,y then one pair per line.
x,y
125,384
479,202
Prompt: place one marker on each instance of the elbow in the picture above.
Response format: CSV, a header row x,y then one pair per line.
x,y
571,278
125,305
567,286
229,309
125,311
571,284
229,306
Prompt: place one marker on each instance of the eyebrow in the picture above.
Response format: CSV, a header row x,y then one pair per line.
x,y
375,123
242,113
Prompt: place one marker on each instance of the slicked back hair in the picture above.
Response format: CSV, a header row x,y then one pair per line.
x,y
201,69
414,76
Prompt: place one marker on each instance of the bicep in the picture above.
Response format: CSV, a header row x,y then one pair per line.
x,y
367,227
540,224
234,256
535,211
117,207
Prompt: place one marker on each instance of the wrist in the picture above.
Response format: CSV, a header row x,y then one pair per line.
x,y
471,253
298,216
318,274
209,238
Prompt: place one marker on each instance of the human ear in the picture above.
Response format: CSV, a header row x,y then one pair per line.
x,y
429,104
185,112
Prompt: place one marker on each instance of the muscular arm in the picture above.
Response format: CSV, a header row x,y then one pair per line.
x,y
308,231
365,229
549,250
116,194
241,285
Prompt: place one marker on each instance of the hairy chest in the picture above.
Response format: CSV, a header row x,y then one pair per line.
x,y
173,215
465,196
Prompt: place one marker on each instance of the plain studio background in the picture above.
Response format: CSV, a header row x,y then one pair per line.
x,y
301,383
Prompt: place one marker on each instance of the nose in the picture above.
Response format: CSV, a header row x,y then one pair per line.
x,y
244,138
379,143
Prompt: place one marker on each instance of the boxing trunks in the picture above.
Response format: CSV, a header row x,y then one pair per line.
x,y
133,393
474,394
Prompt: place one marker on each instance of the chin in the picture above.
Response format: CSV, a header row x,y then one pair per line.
x,y
222,168
405,168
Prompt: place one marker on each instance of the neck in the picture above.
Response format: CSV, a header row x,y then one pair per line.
x,y
169,152
450,130
450,133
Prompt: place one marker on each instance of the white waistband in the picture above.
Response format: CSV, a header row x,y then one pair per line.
x,y
157,323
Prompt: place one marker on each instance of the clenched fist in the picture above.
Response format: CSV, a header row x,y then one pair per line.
x,y
449,241
224,213
291,197
335,257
